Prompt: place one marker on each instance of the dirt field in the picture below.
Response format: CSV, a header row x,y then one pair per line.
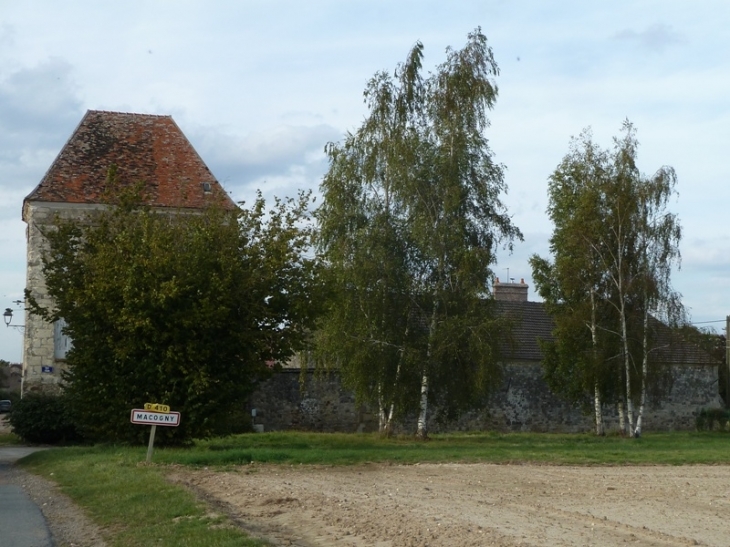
x,y
473,504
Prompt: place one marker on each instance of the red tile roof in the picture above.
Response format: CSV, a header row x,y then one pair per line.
x,y
144,148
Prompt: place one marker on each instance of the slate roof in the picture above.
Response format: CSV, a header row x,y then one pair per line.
x,y
145,148
531,323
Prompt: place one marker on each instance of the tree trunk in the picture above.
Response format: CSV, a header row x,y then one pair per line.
x,y
596,391
621,417
644,372
388,430
381,414
597,407
422,431
627,370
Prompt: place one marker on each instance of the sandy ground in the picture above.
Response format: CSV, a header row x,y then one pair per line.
x,y
473,504
433,505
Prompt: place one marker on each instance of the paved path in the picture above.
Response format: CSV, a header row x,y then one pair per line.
x,y
21,522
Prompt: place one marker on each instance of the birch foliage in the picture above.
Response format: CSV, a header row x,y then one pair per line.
x,y
408,230
614,246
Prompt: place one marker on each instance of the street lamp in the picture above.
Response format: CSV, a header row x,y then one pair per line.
x,y
8,318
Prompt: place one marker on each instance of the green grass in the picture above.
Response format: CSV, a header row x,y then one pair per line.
x,y
346,449
132,502
136,505
7,439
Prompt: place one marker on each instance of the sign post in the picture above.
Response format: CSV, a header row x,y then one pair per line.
x,y
151,444
154,414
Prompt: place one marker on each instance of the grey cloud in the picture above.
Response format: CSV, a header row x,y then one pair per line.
x,y
38,111
291,156
38,100
656,37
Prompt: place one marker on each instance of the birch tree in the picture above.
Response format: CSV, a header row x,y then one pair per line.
x,y
574,285
419,163
364,241
615,245
641,249
658,251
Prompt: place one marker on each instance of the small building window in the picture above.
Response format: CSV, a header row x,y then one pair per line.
x,y
207,187
61,341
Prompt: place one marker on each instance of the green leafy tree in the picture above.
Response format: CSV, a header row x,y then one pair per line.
x,y
185,309
408,231
575,284
614,245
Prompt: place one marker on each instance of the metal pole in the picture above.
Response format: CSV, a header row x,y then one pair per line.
x,y
152,442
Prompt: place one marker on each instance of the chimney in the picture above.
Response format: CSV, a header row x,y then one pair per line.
x,y
510,292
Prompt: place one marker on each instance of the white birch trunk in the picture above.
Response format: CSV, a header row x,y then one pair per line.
x,y
627,370
381,414
388,431
597,408
644,372
620,286
596,391
422,431
621,417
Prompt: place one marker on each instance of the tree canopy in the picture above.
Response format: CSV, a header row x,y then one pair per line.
x,y
408,231
188,309
614,246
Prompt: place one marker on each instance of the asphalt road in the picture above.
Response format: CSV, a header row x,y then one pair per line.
x,y
21,522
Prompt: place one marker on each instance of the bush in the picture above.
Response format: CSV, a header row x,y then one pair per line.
x,y
710,419
43,418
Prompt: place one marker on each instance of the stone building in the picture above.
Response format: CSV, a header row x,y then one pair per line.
x,y
144,149
296,399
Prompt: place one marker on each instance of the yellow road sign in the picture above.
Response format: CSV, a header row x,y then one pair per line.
x,y
156,407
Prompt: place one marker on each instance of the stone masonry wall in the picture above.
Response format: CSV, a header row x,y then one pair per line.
x,y
315,404
523,403
38,343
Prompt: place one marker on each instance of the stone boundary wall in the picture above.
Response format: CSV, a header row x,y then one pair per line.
x,y
522,403
289,400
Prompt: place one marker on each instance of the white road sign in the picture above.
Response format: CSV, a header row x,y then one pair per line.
x,y
146,417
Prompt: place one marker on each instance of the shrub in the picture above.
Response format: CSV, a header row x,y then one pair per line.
x,y
710,419
43,418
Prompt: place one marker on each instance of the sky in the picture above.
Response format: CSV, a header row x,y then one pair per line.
x,y
260,87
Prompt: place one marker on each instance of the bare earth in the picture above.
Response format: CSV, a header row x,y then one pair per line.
x,y
460,505
472,504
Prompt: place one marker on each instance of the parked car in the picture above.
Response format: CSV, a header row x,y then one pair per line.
x,y
5,405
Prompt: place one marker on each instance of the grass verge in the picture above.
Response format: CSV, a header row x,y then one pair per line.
x,y
132,502
9,439
136,505
346,449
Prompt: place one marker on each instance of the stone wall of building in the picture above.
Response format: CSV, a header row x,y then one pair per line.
x,y
522,403
41,369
